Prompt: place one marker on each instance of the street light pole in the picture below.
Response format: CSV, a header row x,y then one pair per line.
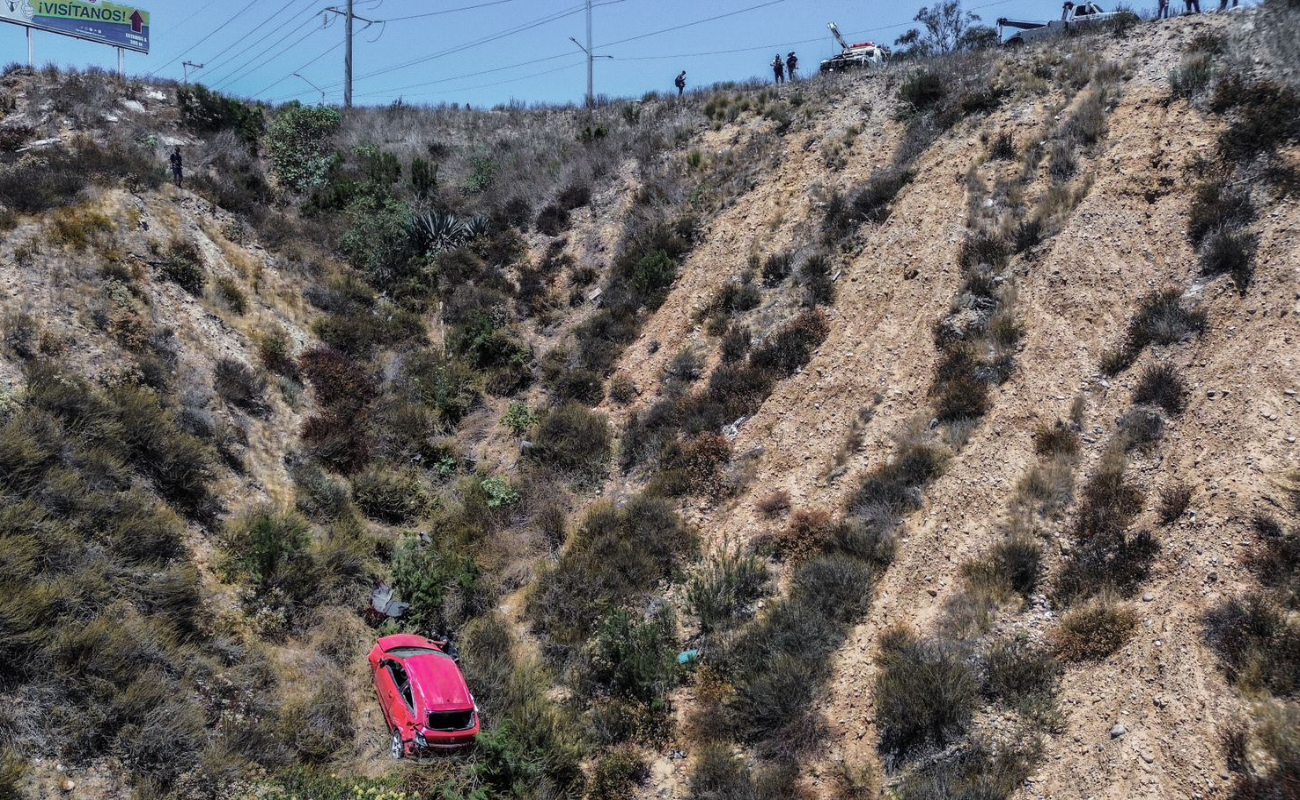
x,y
591,96
314,86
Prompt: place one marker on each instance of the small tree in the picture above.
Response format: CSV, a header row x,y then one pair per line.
x,y
947,29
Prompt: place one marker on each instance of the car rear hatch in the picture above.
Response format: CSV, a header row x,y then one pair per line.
x,y
453,720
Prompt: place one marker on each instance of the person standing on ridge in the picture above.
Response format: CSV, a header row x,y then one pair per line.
x,y
680,83
778,69
791,64
178,166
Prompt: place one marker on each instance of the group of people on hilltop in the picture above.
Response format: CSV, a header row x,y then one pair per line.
x,y
781,68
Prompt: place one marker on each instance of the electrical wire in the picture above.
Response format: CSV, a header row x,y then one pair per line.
x,y
449,11
525,26
254,64
396,89
304,66
267,21
214,32
692,24
264,37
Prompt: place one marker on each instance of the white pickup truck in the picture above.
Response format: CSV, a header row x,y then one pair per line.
x,y
1072,16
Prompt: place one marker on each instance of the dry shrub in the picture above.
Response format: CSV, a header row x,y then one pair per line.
x,y
1162,318
573,440
75,227
1161,385
240,385
722,591
807,534
1048,486
925,694
1174,501
1056,440
702,459
1094,631
774,503
1257,644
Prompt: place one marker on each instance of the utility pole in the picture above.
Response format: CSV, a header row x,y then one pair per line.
x,y
349,18
187,66
347,61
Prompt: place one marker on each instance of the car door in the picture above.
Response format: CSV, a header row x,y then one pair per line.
x,y
390,699
403,715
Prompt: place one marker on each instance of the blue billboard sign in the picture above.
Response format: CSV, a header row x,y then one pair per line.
x,y
99,21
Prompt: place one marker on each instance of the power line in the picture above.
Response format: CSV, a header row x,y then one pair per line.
x,y
332,48
449,11
236,42
253,64
191,17
692,24
479,86
396,89
536,23
214,32
264,37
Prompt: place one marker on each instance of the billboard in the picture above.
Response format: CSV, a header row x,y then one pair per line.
x,y
99,21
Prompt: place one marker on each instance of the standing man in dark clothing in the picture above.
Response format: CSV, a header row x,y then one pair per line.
x,y
680,83
778,69
792,64
178,167
1193,6
1223,4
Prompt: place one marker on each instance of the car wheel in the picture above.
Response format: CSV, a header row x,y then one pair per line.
x,y
397,748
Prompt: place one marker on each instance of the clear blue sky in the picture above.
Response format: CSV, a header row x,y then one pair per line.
x,y
490,72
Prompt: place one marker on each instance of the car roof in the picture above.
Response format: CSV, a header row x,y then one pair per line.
x,y
437,683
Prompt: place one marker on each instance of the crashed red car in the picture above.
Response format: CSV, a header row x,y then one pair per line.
x,y
426,702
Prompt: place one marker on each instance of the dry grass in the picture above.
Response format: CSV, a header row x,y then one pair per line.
x,y
1094,631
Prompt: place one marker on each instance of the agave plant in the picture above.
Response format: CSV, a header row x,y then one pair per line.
x,y
441,230
476,228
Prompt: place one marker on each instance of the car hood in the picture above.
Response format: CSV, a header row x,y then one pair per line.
x,y
437,683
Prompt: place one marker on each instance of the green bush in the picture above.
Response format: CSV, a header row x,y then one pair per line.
x,y
379,241
633,659
264,544
445,588
613,558
518,419
652,277
573,440
205,112
926,694
299,143
182,264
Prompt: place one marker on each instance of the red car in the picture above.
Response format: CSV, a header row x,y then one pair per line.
x,y
425,699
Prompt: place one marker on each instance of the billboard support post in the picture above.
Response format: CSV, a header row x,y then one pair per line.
x,y
31,49
121,63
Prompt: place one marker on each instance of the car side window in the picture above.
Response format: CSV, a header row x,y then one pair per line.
x,y
403,683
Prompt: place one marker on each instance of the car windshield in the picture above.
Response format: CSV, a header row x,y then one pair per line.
x,y
408,652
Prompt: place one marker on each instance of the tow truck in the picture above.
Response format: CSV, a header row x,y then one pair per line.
x,y
1072,16
854,56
